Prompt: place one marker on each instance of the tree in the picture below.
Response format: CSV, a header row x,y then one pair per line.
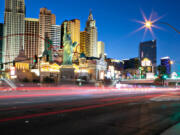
x,y
137,63
161,70
162,73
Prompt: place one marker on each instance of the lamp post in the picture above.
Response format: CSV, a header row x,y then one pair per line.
x,y
149,24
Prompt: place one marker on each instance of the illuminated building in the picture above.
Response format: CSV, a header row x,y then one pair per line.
x,y
91,68
92,30
84,42
100,49
166,62
114,68
49,70
101,68
22,62
73,27
56,36
46,19
14,22
148,50
31,40
1,41
146,69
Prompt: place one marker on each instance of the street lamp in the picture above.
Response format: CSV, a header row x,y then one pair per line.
x,y
149,24
171,62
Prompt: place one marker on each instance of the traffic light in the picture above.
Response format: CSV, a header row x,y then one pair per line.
x,y
14,63
2,66
35,59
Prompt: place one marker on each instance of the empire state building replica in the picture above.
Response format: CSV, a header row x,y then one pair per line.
x,y
92,30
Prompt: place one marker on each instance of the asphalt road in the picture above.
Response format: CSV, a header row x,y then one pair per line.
x,y
109,113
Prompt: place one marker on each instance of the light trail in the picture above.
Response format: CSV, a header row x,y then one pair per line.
x,y
72,109
67,103
72,91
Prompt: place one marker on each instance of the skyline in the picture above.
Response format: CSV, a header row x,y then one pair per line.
x,y
117,36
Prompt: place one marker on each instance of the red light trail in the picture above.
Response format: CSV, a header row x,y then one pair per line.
x,y
73,109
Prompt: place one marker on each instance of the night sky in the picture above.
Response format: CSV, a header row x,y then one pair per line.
x,y
115,22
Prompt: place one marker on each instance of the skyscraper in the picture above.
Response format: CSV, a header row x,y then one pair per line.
x,y
100,49
31,40
148,50
92,30
46,19
56,36
1,41
84,42
14,22
73,27
166,62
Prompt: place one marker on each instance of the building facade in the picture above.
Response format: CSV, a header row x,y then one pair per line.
x,y
92,30
14,30
91,69
100,49
56,36
73,27
148,50
166,62
84,43
46,19
31,40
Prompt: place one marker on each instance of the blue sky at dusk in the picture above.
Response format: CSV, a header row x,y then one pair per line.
x,y
114,19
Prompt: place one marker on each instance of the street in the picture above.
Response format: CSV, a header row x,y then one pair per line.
x,y
86,112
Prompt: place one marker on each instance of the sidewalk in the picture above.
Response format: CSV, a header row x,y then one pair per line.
x,y
175,130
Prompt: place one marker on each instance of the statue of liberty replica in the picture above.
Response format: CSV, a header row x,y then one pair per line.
x,y
67,70
68,47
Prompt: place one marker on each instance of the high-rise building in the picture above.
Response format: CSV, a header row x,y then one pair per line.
x,y
1,40
100,49
148,50
46,19
84,42
73,27
92,30
166,62
14,22
31,40
56,36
